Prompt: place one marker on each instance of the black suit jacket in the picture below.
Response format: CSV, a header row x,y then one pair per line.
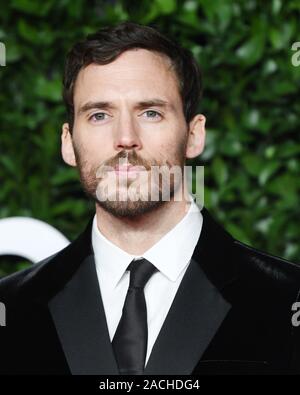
x,y
231,314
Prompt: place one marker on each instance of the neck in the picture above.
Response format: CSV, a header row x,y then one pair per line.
x,y
135,235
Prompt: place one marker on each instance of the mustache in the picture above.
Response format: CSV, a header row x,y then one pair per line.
x,y
127,157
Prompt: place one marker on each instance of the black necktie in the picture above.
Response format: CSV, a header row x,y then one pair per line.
x,y
130,340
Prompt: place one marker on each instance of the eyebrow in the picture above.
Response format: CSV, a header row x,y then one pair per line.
x,y
105,105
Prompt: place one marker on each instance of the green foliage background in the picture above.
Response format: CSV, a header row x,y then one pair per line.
x,y
251,101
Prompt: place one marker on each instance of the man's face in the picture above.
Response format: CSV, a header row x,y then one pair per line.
x,y
127,113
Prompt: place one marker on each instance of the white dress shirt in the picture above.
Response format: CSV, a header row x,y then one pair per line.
x,y
171,255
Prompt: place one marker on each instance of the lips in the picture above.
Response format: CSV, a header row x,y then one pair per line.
x,y
128,168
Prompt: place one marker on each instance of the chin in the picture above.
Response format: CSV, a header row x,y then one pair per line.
x,y
129,208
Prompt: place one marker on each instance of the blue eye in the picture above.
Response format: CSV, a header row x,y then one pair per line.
x,y
98,116
152,114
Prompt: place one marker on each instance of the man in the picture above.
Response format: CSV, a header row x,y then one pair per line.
x,y
153,285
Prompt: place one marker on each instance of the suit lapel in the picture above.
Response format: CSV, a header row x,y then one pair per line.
x,y
194,317
79,317
199,306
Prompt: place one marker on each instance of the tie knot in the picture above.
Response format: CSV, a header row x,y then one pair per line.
x,y
140,272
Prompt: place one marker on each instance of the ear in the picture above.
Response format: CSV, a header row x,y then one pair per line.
x,y
196,139
67,149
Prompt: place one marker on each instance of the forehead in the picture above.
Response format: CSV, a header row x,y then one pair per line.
x,y
134,75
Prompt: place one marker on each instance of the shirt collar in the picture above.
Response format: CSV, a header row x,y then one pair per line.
x,y
170,255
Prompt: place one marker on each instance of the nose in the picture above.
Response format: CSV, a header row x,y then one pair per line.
x,y
127,135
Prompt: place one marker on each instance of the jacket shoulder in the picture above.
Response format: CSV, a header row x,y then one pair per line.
x,y
44,279
11,286
266,269
241,268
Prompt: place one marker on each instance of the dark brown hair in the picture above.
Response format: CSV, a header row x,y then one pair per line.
x,y
108,43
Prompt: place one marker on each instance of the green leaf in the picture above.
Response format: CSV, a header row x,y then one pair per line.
x,y
268,170
166,6
251,51
32,7
49,89
219,170
253,164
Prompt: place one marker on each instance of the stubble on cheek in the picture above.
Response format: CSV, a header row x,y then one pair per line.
x,y
86,172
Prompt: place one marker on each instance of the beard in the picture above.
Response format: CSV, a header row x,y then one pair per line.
x,y
127,197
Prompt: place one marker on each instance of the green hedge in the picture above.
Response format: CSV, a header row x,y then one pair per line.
x,y
251,101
